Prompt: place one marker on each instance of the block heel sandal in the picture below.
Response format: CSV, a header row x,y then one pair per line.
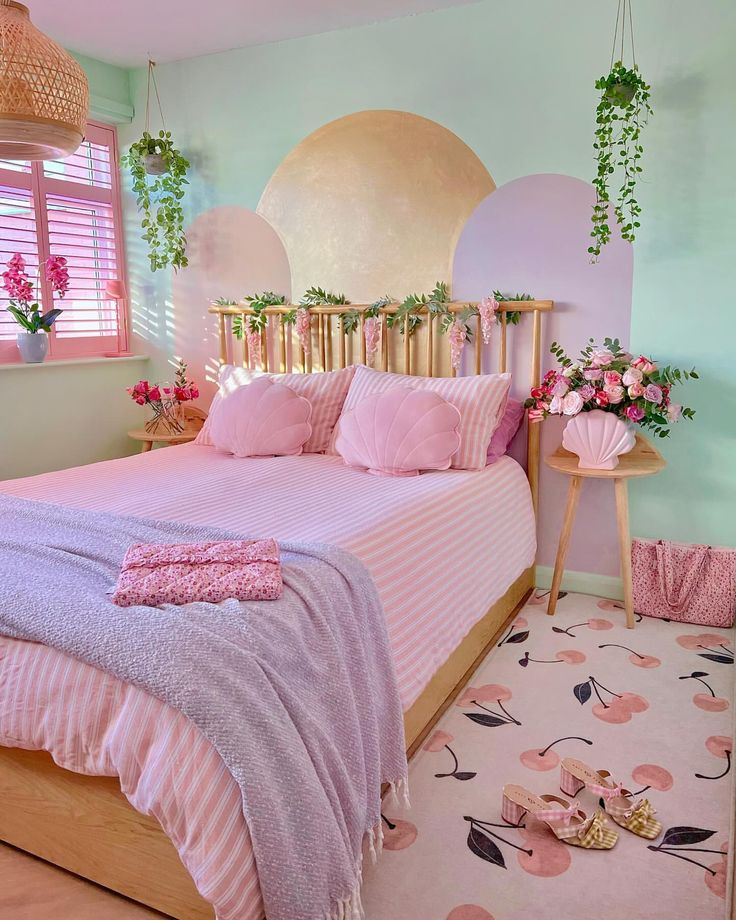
x,y
566,821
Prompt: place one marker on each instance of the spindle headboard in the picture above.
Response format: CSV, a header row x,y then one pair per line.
x,y
411,345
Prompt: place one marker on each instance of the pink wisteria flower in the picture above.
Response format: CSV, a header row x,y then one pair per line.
x,y
457,335
372,333
304,329
254,345
487,311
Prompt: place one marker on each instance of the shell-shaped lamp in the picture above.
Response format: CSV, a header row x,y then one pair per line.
x,y
44,94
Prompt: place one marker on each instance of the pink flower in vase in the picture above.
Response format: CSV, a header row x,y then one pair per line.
x,y
16,281
587,391
304,329
561,387
632,375
457,334
636,390
555,405
615,395
154,394
593,373
141,400
572,403
535,415
601,357
634,413
372,333
487,311
58,274
674,412
611,378
653,393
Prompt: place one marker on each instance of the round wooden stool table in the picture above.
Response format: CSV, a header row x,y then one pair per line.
x,y
194,418
643,460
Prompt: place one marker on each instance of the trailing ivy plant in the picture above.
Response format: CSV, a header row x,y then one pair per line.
x,y
159,199
436,302
514,317
350,321
258,321
623,109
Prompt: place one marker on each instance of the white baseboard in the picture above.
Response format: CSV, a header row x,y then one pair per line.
x,y
583,583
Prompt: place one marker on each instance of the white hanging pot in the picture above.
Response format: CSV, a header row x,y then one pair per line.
x,y
621,94
155,164
598,438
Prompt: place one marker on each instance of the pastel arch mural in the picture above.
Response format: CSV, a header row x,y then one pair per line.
x,y
374,202
531,236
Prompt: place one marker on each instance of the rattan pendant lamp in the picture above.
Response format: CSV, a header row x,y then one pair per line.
x,y
44,95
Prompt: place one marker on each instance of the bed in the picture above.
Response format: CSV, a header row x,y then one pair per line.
x,y
62,768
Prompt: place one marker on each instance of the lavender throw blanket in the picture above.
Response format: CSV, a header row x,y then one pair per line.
x,y
297,695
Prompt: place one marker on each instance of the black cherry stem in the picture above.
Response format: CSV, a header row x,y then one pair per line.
x,y
599,684
693,677
625,647
707,648
680,856
574,626
454,769
566,738
509,718
389,825
720,775
546,660
506,713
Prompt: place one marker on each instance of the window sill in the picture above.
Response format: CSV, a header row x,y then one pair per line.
x,y
72,362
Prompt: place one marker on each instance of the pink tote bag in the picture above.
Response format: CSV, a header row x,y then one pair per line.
x,y
690,583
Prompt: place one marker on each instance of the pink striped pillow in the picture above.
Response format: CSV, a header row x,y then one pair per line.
x,y
480,400
325,391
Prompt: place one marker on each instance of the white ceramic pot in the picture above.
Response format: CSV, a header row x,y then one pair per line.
x,y
33,346
598,438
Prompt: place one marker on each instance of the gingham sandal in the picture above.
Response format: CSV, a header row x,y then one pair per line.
x,y
566,821
635,815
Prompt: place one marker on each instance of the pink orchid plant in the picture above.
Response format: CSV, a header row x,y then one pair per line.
x,y
23,305
607,377
165,399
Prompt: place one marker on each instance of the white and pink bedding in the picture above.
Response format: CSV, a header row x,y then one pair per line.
x,y
419,537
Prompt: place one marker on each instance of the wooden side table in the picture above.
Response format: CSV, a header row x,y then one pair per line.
x,y
643,460
193,420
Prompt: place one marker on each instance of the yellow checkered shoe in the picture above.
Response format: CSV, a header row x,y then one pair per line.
x,y
567,821
634,815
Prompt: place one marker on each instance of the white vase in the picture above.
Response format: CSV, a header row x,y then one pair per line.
x,y
598,438
33,346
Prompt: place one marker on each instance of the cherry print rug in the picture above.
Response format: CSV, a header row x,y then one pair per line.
x,y
653,705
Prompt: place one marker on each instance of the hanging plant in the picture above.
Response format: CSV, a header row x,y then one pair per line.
x,y
622,111
156,157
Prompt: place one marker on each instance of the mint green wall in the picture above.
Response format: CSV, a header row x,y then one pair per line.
x,y
515,82
109,88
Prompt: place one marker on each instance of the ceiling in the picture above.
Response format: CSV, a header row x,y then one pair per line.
x,y
129,33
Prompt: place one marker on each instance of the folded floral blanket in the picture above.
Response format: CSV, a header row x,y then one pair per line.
x,y
298,695
181,573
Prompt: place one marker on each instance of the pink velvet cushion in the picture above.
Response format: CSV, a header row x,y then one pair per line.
x,y
507,428
479,399
181,573
262,419
399,433
325,392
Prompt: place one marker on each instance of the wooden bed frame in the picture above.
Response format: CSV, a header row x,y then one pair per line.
x,y
84,823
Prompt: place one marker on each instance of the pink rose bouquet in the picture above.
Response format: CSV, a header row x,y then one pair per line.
x,y
23,306
165,400
607,377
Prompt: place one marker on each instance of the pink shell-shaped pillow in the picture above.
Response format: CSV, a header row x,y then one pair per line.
x,y
262,419
399,433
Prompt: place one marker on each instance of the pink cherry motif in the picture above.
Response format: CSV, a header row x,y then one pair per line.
x,y
536,599
600,624
549,856
708,702
651,776
469,912
437,741
571,656
704,640
486,694
716,877
637,659
398,834
541,759
719,745
619,708
605,604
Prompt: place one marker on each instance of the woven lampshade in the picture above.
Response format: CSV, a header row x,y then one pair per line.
x,y
44,93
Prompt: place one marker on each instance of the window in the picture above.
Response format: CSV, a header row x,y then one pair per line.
x,y
68,208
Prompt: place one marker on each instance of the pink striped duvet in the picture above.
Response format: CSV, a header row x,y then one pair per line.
x,y
419,537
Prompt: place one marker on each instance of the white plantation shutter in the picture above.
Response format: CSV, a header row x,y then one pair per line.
x,y
68,208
